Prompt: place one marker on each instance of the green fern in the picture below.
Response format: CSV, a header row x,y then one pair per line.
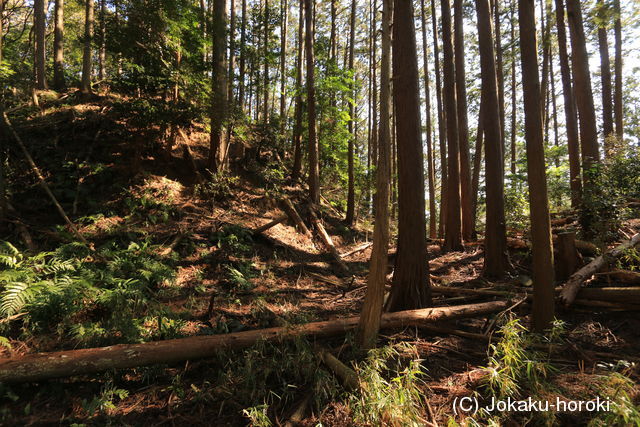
x,y
10,256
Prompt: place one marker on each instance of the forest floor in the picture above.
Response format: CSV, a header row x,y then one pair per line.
x,y
223,278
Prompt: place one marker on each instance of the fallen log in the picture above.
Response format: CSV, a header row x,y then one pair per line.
x,y
293,214
271,224
629,295
347,376
174,244
328,243
622,276
356,249
42,366
571,288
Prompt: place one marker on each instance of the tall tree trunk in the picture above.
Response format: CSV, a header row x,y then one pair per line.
x,y
411,287
543,293
297,129
58,46
433,231
218,77
544,85
500,74
266,52
102,53
40,26
570,114
243,54
582,84
442,125
514,107
351,186
369,322
617,99
477,161
283,59
314,169
85,83
496,259
374,106
332,37
453,227
605,76
463,124
1,28
232,54
554,106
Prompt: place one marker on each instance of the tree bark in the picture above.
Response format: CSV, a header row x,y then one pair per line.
x,y
266,36
543,307
514,108
453,227
351,186
58,46
232,54
369,324
102,53
605,77
582,82
218,77
411,276
463,124
617,99
297,128
283,58
42,366
571,288
314,169
499,74
243,55
571,118
87,63
477,161
442,125
496,259
40,27
433,231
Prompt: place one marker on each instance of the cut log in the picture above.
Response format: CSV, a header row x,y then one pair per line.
x,y
174,243
616,306
621,295
356,250
328,243
41,366
567,259
278,220
297,220
188,157
571,288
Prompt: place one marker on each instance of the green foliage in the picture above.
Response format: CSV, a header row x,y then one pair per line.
x,y
218,186
258,415
617,388
149,206
388,396
100,298
234,238
103,403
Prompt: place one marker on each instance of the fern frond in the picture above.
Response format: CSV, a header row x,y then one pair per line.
x,y
14,297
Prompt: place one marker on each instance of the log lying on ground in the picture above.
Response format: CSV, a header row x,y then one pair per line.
x,y
271,224
571,288
174,244
357,249
297,220
36,367
328,243
622,276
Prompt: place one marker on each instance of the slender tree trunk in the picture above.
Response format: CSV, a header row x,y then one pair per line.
x,y
500,74
433,231
374,106
543,292
58,46
496,259
617,99
283,59
85,83
514,107
102,54
218,77
369,322
243,55
351,190
571,117
232,53
582,82
544,85
605,76
411,285
314,169
297,129
554,106
266,62
477,161
463,123
442,125
40,26
1,28
332,37
453,228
